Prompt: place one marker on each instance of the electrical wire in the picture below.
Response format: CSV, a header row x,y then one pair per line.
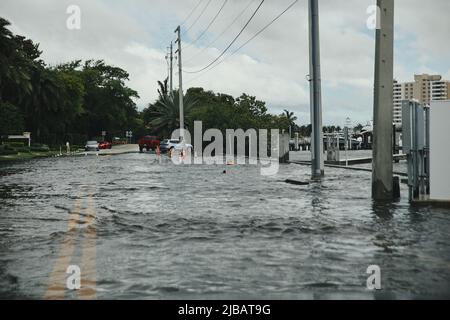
x,y
248,41
232,42
196,20
263,29
221,34
192,11
209,25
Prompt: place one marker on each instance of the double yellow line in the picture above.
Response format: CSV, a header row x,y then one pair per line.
x,y
57,284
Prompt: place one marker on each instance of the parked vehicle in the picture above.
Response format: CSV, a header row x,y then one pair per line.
x,y
148,143
105,145
175,144
92,146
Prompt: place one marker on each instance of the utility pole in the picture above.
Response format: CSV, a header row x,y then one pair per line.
x,y
382,180
180,72
315,91
171,68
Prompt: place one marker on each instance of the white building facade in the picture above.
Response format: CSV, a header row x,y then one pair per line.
x,y
425,89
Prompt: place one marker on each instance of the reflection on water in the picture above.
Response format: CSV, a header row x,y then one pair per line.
x,y
166,231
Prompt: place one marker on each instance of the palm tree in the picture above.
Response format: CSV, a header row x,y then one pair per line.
x,y
45,99
14,79
291,118
165,112
163,90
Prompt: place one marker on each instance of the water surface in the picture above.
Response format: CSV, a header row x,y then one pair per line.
x,y
163,231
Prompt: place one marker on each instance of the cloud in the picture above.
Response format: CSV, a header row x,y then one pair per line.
x,y
273,67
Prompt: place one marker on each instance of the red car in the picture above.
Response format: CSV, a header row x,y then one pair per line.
x,y
105,145
148,143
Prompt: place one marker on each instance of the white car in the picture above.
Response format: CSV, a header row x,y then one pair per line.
x,y
92,146
174,144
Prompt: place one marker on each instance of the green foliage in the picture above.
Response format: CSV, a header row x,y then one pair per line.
x,y
358,128
15,144
6,150
11,119
39,147
164,115
220,111
23,149
108,103
331,129
17,55
305,131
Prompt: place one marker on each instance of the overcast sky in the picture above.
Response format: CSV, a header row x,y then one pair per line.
x,y
134,35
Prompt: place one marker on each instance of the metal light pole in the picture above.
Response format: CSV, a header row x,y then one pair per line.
x,y
180,72
315,91
382,180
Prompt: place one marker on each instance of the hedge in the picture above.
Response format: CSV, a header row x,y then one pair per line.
x,y
39,148
7,152
16,144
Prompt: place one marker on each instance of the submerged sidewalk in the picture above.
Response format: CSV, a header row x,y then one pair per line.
x,y
118,149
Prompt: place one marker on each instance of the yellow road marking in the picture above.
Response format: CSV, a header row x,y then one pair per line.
x,y
57,283
88,260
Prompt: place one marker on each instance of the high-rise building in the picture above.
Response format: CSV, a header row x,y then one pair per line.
x,y
424,89
440,90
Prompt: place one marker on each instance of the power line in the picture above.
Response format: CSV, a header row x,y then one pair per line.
x,y
196,20
189,15
222,33
263,29
209,25
192,11
248,41
232,42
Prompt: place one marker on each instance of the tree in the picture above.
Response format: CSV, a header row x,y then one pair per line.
x,y
291,121
11,119
358,128
163,116
249,104
163,89
72,101
44,101
305,131
17,55
290,116
108,102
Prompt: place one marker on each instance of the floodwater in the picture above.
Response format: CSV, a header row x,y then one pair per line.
x,y
141,229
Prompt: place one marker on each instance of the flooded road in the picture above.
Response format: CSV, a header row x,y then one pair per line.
x,y
139,229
